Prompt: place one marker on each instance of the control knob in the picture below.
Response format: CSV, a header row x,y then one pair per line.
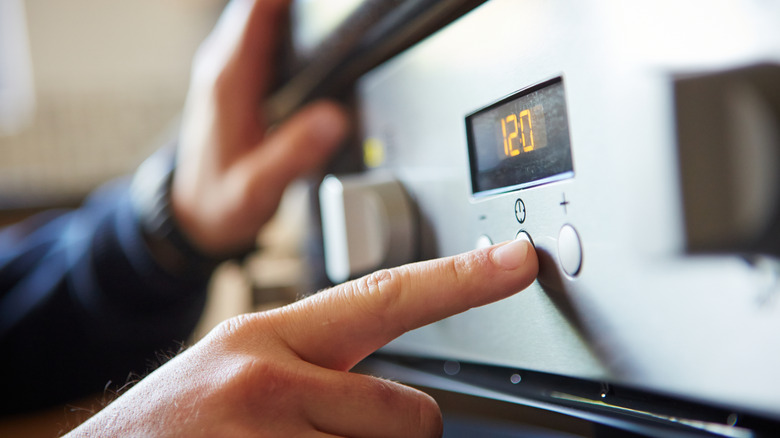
x,y
367,223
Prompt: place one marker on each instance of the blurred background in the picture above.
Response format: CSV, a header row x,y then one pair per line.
x,y
89,88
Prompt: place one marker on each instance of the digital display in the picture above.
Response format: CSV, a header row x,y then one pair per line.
x,y
520,141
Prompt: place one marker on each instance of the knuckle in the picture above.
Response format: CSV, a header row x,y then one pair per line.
x,y
268,378
379,293
421,415
429,420
267,385
424,416
461,267
382,390
375,284
230,327
235,331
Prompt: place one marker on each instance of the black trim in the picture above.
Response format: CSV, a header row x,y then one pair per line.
x,y
618,407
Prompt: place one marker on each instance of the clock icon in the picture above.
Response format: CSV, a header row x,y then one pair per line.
x,y
520,210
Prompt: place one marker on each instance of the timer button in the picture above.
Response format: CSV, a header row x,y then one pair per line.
x,y
483,242
522,235
570,250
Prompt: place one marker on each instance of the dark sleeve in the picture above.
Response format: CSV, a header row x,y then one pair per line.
x,y
82,303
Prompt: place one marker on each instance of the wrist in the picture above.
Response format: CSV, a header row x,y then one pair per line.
x,y
167,243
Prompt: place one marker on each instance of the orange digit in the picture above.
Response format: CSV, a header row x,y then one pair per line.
x,y
529,145
503,131
508,147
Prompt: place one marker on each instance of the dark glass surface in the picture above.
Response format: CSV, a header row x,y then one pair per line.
x,y
520,141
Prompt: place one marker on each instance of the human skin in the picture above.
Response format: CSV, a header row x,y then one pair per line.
x,y
232,166
285,372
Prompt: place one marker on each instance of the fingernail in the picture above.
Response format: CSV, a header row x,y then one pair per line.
x,y
512,255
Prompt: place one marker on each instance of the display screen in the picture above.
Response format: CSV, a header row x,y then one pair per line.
x,y
520,141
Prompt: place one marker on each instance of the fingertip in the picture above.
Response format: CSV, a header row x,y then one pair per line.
x,y
512,255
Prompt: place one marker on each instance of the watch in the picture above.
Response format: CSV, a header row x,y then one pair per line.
x,y
150,193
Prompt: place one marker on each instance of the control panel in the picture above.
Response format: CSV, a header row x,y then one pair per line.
x,y
636,146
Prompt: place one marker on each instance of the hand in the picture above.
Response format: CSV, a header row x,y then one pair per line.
x,y
232,170
284,372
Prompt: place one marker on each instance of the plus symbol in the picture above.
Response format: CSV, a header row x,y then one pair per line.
x,y
565,204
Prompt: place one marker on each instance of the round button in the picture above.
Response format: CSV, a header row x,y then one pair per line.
x,y
570,250
520,210
522,235
483,242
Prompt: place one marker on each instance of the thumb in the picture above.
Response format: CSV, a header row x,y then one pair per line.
x,y
301,144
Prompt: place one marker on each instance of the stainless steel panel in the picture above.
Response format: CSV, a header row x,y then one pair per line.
x,y
641,310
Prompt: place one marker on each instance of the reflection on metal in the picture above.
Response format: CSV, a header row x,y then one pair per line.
x,y
370,34
623,410
720,429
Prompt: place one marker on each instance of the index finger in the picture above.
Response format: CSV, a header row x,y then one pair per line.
x,y
339,327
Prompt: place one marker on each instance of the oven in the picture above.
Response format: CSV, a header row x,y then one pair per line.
x,y
637,145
